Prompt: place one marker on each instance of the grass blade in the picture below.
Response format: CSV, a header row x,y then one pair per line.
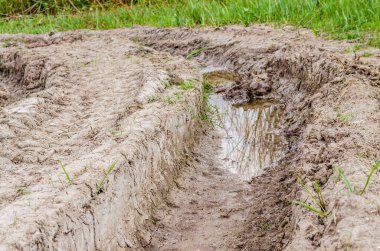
x,y
346,181
310,208
374,168
303,185
195,53
66,173
109,171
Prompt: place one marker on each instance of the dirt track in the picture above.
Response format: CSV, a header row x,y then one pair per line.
x,y
92,98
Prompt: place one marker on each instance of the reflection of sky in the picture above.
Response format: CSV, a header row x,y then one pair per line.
x,y
250,140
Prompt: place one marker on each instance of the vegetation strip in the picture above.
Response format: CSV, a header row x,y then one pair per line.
x,y
345,19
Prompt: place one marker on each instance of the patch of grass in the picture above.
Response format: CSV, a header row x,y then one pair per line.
x,y
354,48
171,100
187,85
23,190
344,117
348,184
195,53
317,197
167,84
111,168
7,44
367,54
209,113
357,20
153,98
69,180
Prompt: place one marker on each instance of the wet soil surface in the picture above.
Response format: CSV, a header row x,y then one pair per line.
x,y
207,205
294,105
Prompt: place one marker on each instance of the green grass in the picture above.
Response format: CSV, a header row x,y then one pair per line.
x,y
68,178
367,54
187,85
195,53
152,98
317,197
171,100
23,190
341,19
345,179
374,168
344,117
369,176
111,168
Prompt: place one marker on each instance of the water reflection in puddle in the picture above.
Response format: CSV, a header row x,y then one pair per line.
x,y
250,135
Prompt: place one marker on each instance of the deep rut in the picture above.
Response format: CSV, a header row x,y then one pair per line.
x,y
206,209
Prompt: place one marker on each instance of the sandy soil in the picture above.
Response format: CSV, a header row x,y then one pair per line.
x,y
89,99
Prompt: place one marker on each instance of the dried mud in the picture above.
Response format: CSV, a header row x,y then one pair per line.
x,y
90,98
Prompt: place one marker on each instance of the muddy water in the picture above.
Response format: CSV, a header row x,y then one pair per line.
x,y
251,139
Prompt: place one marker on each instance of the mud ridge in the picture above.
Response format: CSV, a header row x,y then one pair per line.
x,y
89,109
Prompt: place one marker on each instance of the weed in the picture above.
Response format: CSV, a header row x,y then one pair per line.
x,y
187,85
374,168
7,44
69,180
99,188
23,190
367,54
195,53
209,113
153,98
353,48
171,100
344,118
346,181
317,198
348,184
167,84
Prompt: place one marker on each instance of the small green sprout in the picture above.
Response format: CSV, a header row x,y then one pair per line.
x,y
317,198
69,180
195,53
99,188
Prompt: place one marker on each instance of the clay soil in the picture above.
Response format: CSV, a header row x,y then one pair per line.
x,y
92,98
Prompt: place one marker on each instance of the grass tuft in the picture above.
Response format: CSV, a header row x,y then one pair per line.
x,y
171,100
23,190
187,85
317,198
99,188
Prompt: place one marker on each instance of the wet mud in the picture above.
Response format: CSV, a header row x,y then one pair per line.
x,y
284,105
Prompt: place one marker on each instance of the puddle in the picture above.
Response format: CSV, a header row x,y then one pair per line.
x,y
251,139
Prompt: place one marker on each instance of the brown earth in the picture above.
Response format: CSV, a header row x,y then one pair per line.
x,y
89,99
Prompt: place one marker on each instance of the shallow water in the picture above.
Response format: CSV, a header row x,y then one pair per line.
x,y
251,139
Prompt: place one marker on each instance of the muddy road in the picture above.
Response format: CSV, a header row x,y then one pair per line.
x,y
208,130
